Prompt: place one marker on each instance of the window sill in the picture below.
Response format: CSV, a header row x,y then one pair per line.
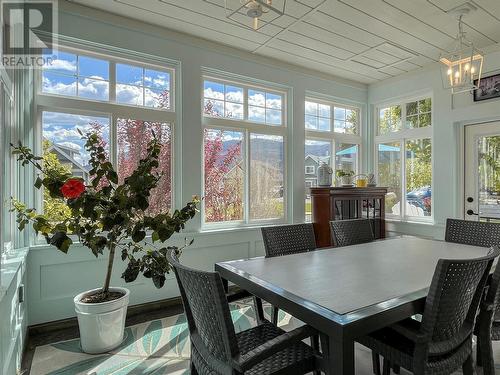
x,y
430,221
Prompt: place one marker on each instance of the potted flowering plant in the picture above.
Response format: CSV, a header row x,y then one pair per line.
x,y
106,215
345,176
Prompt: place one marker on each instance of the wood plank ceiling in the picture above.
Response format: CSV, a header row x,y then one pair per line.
x,y
362,40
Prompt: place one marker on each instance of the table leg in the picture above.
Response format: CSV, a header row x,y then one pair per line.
x,y
225,284
339,355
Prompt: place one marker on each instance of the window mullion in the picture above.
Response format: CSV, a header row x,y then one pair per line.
x,y
247,151
403,179
112,82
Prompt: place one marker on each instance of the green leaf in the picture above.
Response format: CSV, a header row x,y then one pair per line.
x,y
61,241
38,183
138,236
155,236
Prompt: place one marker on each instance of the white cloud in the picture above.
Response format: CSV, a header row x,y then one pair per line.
x,y
57,64
311,108
93,89
257,98
209,93
129,94
59,87
256,114
235,96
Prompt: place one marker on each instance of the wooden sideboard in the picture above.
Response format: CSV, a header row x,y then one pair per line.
x,y
340,203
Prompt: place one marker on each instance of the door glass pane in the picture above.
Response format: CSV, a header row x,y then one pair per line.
x,y
224,175
266,177
418,177
489,178
389,175
316,153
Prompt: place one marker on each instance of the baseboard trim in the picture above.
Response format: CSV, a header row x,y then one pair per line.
x,y
132,311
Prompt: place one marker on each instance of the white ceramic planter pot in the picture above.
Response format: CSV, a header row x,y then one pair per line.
x,y
101,324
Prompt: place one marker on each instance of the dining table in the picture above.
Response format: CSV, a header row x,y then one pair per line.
x,y
347,292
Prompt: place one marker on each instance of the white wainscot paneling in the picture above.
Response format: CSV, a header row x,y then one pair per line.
x,y
55,278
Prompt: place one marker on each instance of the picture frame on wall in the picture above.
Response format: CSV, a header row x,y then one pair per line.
x,y
489,88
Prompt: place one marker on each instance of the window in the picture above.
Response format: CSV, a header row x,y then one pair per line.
x,y
244,154
389,119
418,114
331,129
319,116
77,75
88,77
136,85
7,187
233,101
133,137
404,158
64,109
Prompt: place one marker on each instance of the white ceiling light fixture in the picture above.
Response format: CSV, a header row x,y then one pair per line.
x,y
462,67
254,13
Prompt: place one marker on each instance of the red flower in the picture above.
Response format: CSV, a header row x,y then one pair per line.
x,y
72,188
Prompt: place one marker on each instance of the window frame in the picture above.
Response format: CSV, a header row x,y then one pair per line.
x,y
335,137
309,166
8,166
402,136
113,110
246,86
170,66
247,127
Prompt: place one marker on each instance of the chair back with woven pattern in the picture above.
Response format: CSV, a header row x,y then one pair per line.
x,y
207,312
351,232
476,233
492,297
288,239
453,300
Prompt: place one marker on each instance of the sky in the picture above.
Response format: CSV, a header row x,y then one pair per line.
x,y
61,128
227,100
90,77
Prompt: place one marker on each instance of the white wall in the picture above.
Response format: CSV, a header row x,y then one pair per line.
x,y
449,119
54,278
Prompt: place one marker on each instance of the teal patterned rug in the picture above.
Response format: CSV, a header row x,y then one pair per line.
x,y
157,347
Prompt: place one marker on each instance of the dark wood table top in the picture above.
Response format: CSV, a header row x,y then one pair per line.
x,y
345,281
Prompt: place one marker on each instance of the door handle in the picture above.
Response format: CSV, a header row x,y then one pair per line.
x,y
471,212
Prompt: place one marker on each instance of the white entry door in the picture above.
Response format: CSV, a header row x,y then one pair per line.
x,y
482,172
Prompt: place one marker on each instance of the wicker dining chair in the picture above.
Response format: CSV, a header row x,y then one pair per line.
x,y
288,239
488,324
285,240
475,233
442,342
480,233
351,232
215,346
